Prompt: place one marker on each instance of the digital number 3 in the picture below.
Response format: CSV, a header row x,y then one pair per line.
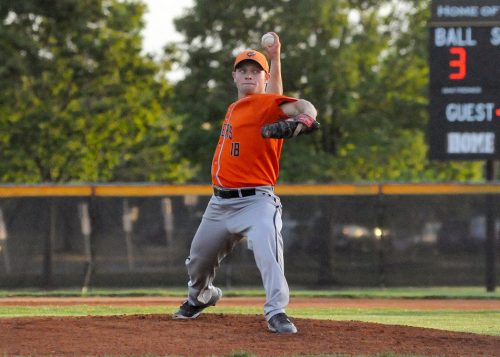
x,y
459,63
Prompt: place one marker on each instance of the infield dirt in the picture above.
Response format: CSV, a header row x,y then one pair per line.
x,y
224,334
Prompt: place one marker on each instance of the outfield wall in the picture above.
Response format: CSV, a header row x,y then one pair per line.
x,y
335,235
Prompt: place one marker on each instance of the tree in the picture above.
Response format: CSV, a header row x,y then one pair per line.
x,y
363,63
79,102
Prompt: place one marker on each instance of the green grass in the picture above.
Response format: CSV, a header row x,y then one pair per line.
x,y
405,293
79,310
75,292
365,293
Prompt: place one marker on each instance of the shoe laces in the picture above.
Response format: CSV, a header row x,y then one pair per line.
x,y
282,318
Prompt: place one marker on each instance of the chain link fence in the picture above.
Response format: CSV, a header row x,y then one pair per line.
x,y
135,236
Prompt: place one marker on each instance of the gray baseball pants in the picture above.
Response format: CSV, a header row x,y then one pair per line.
x,y
225,222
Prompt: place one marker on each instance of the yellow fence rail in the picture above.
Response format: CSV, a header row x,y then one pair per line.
x,y
144,190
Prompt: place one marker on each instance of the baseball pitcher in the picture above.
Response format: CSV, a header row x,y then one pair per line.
x,y
245,169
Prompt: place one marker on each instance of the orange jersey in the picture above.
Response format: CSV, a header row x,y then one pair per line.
x,y
242,157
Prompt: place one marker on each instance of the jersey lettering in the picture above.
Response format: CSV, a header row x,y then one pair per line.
x,y
227,131
235,149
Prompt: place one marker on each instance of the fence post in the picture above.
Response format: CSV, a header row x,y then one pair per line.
x,y
168,227
380,235
3,243
86,228
49,242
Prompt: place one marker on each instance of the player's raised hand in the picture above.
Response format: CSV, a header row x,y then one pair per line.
x,y
272,48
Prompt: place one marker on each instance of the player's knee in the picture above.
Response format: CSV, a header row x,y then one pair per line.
x,y
198,264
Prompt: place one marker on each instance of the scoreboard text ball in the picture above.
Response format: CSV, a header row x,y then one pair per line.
x,y
464,64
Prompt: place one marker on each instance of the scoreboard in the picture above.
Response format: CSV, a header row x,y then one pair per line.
x,y
464,70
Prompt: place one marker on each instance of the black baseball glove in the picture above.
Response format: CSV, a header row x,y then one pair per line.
x,y
290,128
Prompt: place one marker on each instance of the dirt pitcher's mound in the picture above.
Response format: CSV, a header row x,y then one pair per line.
x,y
220,334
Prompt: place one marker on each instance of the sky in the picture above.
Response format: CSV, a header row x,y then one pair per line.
x,y
159,27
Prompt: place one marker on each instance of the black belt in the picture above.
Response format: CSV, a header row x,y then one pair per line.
x,y
233,193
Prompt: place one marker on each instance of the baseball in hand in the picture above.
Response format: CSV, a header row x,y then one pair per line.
x,y
267,40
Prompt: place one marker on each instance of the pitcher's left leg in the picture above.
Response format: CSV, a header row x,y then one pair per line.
x,y
264,238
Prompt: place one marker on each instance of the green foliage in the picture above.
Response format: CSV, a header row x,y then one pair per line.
x,y
364,69
78,100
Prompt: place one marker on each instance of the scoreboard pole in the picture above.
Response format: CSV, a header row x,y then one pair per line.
x,y
490,243
464,94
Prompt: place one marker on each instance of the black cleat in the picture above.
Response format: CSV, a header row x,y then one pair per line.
x,y
188,311
280,323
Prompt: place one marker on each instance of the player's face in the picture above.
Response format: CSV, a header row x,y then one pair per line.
x,y
250,78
